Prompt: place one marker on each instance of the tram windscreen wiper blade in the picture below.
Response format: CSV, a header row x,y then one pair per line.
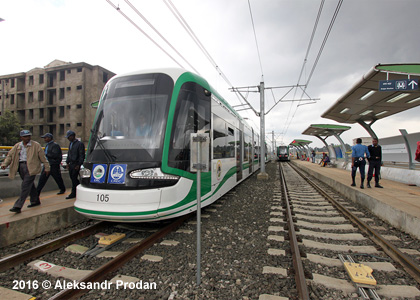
x,y
109,157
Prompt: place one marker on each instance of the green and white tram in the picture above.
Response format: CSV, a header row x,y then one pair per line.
x,y
137,165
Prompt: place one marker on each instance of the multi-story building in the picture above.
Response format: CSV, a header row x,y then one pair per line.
x,y
55,98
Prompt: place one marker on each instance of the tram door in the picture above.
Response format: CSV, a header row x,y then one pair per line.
x,y
239,154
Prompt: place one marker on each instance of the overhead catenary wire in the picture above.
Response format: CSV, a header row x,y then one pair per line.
x,y
200,45
256,41
334,17
142,31
158,33
305,61
194,37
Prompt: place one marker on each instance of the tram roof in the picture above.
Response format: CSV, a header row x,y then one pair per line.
x,y
300,142
325,130
364,102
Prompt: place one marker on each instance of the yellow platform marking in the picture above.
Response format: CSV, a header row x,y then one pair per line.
x,y
360,273
110,239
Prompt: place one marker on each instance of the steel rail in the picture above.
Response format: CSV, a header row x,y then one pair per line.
x,y
15,259
409,265
300,279
102,272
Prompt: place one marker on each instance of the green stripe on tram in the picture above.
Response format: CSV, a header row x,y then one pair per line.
x,y
192,195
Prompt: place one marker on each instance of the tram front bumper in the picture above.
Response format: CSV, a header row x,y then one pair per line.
x,y
118,205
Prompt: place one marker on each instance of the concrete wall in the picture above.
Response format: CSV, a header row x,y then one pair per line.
x,y
11,188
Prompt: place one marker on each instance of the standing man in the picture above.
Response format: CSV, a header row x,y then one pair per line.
x,y
358,161
54,156
375,162
26,157
75,159
313,156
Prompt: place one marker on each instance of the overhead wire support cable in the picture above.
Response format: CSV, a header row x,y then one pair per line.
x,y
340,2
305,59
256,41
337,9
142,31
158,33
191,33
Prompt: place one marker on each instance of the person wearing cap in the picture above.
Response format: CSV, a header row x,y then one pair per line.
x,y
75,159
54,156
26,157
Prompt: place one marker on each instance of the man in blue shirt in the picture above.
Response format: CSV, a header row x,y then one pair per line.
x,y
358,161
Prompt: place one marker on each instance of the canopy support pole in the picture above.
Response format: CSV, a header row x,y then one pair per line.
x,y
368,128
407,145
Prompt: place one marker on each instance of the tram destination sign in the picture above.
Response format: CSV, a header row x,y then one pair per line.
x,y
398,85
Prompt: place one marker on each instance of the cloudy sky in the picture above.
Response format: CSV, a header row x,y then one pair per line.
x,y
365,33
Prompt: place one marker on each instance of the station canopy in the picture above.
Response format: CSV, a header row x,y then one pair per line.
x,y
325,130
300,143
367,101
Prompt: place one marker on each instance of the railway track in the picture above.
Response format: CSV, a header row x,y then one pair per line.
x,y
322,231
76,273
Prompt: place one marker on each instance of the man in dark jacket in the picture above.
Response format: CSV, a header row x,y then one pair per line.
x,y
375,162
75,159
54,156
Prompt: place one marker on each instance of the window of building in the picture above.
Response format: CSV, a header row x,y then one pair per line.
x,y
12,99
61,112
51,97
31,80
105,77
69,71
61,93
79,124
79,87
69,88
79,106
31,114
12,83
41,96
41,78
62,75
30,97
68,125
41,129
61,130
41,113
68,106
79,69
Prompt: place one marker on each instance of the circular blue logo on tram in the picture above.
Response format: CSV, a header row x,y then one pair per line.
x,y
98,173
117,174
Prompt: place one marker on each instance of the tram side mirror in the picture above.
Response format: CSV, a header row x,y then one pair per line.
x,y
95,104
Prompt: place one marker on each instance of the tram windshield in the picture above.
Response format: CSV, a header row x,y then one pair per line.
x,y
131,119
282,150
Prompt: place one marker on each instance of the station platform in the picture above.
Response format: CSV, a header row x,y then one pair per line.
x,y
55,212
397,203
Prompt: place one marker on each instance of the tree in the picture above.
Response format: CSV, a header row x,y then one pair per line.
x,y
9,129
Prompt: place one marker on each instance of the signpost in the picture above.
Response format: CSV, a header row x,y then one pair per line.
x,y
199,164
398,85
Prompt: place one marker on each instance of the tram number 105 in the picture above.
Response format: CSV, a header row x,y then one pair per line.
x,y
102,197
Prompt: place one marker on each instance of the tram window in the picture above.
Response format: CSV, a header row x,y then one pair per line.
x,y
219,137
192,115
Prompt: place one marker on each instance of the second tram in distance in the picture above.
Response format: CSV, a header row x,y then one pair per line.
x,y
283,153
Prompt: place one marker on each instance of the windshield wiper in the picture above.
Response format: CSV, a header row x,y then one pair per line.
x,y
109,157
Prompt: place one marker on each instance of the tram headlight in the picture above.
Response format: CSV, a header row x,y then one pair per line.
x,y
154,173
84,173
